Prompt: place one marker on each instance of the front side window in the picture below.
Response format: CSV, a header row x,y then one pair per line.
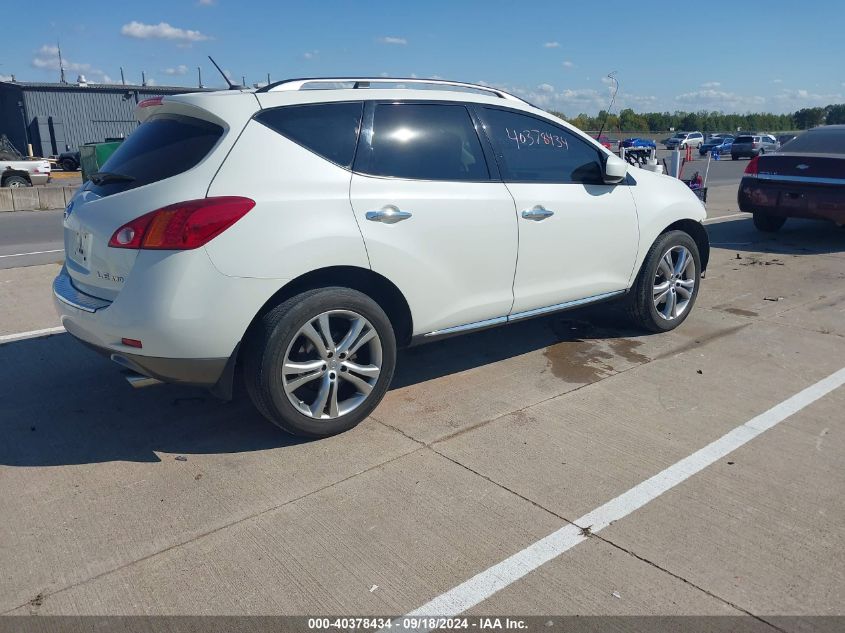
x,y
531,150
329,130
423,142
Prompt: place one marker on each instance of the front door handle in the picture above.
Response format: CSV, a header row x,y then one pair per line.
x,y
537,213
388,215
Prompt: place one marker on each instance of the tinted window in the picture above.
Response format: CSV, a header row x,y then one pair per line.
x,y
819,141
531,150
424,142
163,146
744,139
327,129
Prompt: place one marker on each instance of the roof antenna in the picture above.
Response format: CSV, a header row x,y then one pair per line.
x,y
228,81
612,99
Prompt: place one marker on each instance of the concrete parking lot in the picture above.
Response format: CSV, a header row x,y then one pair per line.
x,y
165,501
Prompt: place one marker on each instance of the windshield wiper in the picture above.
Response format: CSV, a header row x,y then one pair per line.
x,y
106,177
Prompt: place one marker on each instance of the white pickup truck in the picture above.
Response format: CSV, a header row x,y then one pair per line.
x,y
24,173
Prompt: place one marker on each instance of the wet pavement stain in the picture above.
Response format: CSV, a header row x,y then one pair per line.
x,y
740,312
590,356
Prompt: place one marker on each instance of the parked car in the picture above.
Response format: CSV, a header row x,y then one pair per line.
x,y
682,140
636,142
803,180
607,143
718,145
261,230
749,146
24,173
68,161
783,139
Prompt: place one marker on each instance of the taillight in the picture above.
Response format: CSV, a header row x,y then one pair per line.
x,y
182,226
152,101
751,168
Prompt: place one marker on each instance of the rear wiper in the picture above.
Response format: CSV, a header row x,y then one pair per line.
x,y
105,177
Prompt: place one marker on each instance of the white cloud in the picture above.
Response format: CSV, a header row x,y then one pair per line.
x,y
161,31
206,3
791,100
47,58
181,69
551,45
711,84
310,54
389,39
151,81
779,81
720,100
567,64
5,78
547,88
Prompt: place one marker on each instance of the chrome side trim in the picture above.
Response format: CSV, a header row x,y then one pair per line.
x,y
66,292
807,179
468,327
564,306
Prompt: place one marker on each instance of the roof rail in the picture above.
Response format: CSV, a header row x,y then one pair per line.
x,y
364,82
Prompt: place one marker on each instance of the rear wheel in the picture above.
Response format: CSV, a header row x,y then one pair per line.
x,y
68,164
768,223
667,286
320,362
16,182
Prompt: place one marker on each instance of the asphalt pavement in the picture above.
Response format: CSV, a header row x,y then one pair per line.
x,y
30,238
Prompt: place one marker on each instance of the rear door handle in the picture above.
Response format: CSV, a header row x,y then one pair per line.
x,y
537,213
388,215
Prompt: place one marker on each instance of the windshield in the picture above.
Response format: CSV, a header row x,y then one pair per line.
x,y
680,136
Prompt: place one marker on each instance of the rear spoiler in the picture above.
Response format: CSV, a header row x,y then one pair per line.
x,y
147,107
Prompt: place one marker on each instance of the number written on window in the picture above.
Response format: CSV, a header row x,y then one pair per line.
x,y
529,138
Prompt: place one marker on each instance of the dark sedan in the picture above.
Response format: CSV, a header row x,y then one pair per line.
x,y
806,179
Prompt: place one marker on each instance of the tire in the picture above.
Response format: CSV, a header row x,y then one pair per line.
x,y
68,164
734,157
16,182
642,303
768,223
277,340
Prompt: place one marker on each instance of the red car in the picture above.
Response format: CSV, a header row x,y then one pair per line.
x,y
805,179
608,143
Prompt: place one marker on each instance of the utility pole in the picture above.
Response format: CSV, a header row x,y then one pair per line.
x,y
199,78
61,63
143,78
122,78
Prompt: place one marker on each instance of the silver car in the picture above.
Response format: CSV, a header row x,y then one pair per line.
x,y
751,145
682,140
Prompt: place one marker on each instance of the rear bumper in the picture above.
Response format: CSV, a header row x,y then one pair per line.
x,y
39,179
792,200
86,318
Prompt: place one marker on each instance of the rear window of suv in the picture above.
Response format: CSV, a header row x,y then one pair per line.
x,y
744,139
329,130
163,146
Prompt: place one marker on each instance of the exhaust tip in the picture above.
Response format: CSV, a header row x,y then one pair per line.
x,y
139,381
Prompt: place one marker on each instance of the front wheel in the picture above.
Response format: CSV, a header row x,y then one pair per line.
x,y
16,182
319,363
666,288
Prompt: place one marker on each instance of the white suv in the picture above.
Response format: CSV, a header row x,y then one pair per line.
x,y
682,140
303,231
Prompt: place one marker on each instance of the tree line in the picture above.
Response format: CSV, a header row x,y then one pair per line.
x,y
629,121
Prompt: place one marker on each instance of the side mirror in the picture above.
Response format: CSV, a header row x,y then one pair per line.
x,y
615,169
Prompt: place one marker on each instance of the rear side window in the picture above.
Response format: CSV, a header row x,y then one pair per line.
x,y
531,150
163,146
424,142
327,129
819,141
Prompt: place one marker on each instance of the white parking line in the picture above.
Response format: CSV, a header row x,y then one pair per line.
x,y
500,575
60,250
722,218
20,336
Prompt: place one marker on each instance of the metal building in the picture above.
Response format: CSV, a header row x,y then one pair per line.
x,y
55,117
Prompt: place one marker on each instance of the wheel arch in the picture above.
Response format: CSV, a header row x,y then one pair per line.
x,y
376,286
697,232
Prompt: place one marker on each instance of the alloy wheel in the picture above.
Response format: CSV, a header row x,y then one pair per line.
x,y
332,364
674,283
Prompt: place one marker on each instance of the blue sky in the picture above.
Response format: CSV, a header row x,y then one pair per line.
x,y
761,56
